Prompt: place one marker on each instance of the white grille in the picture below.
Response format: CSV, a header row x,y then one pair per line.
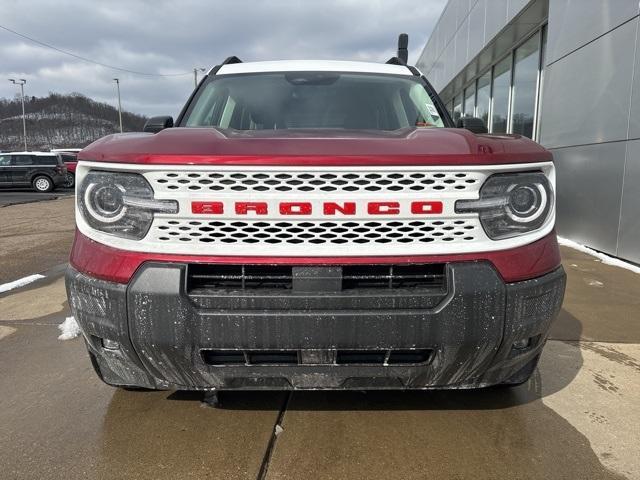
x,y
277,232
314,233
309,181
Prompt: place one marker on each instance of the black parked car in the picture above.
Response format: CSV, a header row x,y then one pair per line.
x,y
44,171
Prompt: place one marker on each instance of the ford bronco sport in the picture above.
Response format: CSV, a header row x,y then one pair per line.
x,y
314,225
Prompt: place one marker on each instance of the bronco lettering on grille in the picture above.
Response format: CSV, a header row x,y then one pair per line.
x,y
328,208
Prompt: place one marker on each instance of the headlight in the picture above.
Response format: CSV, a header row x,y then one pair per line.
x,y
511,204
120,204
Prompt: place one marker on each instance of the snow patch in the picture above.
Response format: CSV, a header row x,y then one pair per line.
x,y
69,328
595,283
21,282
603,257
6,331
278,430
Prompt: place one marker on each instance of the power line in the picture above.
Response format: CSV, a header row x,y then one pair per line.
x,y
85,59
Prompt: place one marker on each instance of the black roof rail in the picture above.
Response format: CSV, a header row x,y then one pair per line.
x,y
227,61
414,70
230,60
398,61
395,61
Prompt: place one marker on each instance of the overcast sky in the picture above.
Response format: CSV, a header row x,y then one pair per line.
x,y
172,37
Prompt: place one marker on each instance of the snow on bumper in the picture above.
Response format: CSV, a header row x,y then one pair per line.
x,y
316,334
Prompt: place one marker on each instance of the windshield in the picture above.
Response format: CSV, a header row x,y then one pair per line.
x,y
267,101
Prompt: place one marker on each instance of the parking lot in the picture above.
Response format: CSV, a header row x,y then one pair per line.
x,y
576,418
27,195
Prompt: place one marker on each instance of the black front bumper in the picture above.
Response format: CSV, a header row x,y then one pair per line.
x,y
474,330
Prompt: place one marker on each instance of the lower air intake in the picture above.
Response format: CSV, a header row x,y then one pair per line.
x,y
364,357
248,277
239,277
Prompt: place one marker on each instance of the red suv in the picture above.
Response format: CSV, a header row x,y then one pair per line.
x,y
315,225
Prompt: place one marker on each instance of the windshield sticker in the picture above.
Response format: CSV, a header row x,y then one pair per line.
x,y
432,110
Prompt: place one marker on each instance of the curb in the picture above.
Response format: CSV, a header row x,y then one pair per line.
x,y
35,200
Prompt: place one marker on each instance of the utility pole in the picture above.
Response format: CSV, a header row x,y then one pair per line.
x,y
21,82
195,75
117,80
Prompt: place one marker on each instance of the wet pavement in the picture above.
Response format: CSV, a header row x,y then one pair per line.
x,y
576,418
34,237
16,196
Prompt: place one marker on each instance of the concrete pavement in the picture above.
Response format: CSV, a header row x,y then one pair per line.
x,y
35,237
60,422
576,418
27,195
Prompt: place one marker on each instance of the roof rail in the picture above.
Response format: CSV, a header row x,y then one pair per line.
x,y
227,61
395,61
230,60
398,61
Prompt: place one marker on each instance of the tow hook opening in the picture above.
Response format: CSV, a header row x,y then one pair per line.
x,y
110,344
524,344
105,343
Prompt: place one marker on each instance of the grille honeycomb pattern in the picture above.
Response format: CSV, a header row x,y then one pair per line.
x,y
314,232
308,181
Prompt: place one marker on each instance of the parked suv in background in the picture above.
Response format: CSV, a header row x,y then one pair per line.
x,y
315,225
44,171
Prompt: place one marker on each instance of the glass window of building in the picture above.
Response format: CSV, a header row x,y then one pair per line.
x,y
483,97
469,100
500,100
457,108
525,81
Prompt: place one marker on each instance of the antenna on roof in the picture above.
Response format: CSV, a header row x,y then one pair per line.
x,y
402,56
403,52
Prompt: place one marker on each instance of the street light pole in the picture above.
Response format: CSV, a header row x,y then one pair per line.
x,y
195,75
21,82
117,80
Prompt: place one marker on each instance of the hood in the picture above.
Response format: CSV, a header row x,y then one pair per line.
x,y
410,146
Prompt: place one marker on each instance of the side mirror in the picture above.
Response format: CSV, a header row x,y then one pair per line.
x,y
473,124
155,124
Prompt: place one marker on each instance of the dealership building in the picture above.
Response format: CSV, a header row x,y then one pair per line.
x,y
567,74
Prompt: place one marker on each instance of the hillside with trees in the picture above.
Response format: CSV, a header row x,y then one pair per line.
x,y
60,121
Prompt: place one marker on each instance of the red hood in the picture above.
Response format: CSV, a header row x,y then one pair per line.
x,y
410,146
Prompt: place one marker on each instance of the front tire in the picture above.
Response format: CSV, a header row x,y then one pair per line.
x,y
69,180
42,184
